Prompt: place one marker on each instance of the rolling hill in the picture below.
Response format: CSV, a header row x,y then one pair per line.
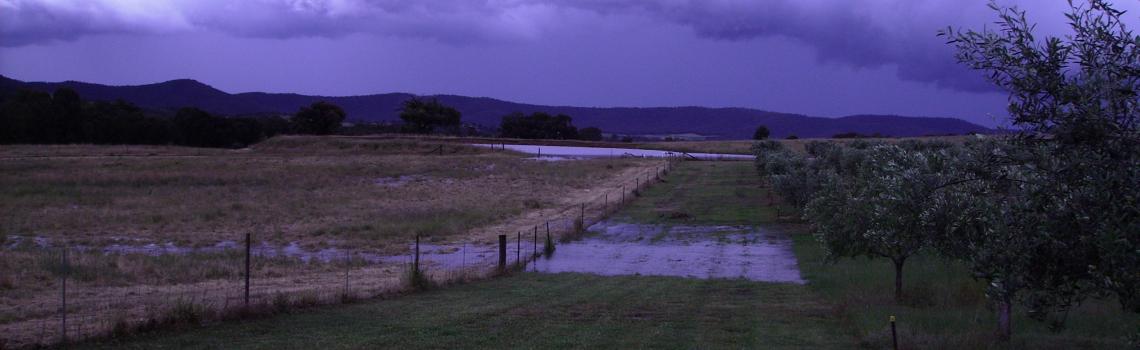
x,y
717,123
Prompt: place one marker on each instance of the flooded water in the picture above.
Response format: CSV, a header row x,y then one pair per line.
x,y
431,255
685,251
611,248
570,152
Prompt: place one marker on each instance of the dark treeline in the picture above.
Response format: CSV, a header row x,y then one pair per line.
x,y
34,117
540,125
63,117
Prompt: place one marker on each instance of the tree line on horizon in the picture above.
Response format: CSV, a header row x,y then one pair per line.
x,y
431,116
63,117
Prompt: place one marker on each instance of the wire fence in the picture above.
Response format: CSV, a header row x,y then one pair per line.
x,y
104,291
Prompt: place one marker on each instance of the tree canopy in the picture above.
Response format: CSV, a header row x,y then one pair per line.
x,y
538,125
425,117
761,133
1046,217
320,118
590,134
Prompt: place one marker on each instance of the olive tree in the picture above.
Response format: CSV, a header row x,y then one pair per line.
x,y
887,208
1075,103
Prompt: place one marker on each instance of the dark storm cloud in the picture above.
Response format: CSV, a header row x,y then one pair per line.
x,y
858,33
863,34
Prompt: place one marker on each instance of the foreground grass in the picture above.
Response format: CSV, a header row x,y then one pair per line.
x,y
543,311
945,308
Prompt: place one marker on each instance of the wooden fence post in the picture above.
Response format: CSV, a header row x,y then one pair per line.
x,y
416,262
502,252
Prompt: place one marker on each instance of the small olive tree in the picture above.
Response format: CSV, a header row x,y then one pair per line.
x,y
887,208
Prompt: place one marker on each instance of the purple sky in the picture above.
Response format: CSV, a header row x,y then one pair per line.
x,y
817,57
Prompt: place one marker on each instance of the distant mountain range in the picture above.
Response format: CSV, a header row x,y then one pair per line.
x,y
716,123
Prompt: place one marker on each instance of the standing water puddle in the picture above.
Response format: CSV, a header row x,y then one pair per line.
x,y
686,251
573,152
612,248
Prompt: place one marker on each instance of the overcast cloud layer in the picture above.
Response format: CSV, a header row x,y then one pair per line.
x,y
862,35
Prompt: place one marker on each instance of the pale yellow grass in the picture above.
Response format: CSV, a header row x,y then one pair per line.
x,y
362,194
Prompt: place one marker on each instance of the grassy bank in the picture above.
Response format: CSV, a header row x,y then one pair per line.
x,y
543,311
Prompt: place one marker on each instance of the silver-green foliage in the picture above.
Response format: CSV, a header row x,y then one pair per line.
x,y
887,205
1078,152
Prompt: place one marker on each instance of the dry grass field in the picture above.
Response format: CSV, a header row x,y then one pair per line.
x,y
361,194
319,192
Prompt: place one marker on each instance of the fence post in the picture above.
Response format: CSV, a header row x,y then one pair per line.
x,y
518,248
416,261
63,296
894,335
502,252
583,215
247,253
535,251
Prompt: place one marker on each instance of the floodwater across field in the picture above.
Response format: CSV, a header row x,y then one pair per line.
x,y
615,248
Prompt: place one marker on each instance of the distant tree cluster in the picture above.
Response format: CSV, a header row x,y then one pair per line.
x,y
63,117
761,133
855,135
426,117
541,125
320,118
590,133
35,117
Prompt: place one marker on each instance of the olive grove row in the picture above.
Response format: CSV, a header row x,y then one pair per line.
x,y
1047,214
